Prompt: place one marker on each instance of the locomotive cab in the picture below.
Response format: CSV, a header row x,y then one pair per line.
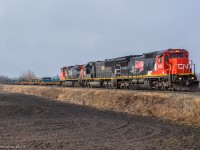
x,y
178,61
177,70
63,73
180,69
173,61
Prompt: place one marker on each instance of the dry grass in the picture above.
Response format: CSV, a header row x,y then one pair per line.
x,y
182,108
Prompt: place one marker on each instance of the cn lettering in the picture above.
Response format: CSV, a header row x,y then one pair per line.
x,y
183,66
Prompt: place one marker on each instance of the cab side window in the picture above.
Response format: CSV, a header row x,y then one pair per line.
x,y
166,58
160,59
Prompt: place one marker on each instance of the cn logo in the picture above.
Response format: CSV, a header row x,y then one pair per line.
x,y
183,66
139,65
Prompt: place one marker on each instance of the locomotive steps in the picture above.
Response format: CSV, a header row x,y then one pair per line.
x,y
179,107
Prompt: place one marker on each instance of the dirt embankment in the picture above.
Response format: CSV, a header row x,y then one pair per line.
x,y
184,108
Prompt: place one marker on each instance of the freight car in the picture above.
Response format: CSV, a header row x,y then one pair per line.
x,y
168,69
49,81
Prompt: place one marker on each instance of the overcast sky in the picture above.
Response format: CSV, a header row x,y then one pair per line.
x,y
45,35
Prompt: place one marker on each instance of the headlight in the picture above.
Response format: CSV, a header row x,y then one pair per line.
x,y
192,78
180,78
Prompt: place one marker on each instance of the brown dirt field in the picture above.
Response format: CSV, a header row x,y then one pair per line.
x,y
29,122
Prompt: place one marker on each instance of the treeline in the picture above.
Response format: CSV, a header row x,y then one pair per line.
x,y
4,78
28,75
25,76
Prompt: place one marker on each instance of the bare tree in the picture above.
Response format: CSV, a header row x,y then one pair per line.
x,y
28,75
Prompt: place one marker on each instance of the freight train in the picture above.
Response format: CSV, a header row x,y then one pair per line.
x,y
45,81
168,69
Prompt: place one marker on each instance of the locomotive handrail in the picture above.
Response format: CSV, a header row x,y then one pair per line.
x,y
192,65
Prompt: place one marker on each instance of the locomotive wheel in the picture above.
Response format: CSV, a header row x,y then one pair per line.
x,y
107,86
87,85
163,87
113,87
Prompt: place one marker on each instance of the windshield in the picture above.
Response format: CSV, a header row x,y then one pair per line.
x,y
176,55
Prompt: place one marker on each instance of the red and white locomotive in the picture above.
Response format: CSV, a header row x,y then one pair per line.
x,y
168,69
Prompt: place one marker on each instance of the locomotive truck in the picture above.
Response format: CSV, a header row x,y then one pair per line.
x,y
168,69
